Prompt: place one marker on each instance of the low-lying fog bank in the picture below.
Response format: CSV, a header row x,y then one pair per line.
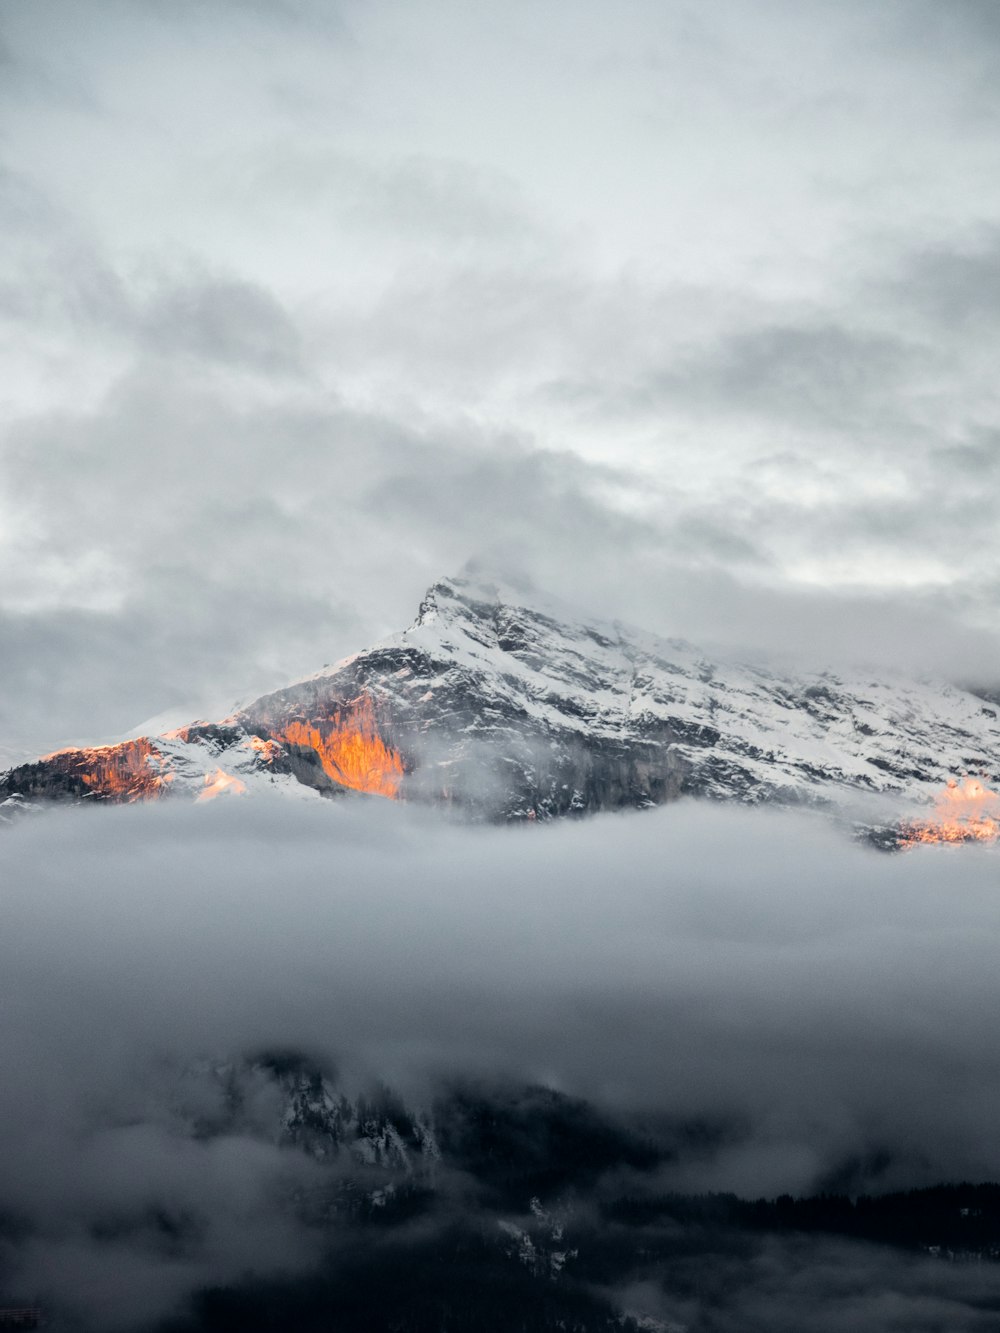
x,y
825,1014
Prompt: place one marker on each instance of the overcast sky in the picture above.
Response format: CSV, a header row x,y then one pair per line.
x,y
687,311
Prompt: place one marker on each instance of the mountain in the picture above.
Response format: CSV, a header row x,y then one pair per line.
x,y
508,707
500,1206
494,1206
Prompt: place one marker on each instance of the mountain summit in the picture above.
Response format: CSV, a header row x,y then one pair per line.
x,y
510,708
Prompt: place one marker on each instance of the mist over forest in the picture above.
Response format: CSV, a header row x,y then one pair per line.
x,y
597,1019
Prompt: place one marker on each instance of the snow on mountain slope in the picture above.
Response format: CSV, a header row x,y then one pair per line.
x,y
511,707
492,698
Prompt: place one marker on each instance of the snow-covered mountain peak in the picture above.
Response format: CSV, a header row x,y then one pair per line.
x,y
508,705
477,599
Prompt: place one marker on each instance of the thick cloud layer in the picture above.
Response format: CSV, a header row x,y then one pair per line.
x,y
827,1011
686,312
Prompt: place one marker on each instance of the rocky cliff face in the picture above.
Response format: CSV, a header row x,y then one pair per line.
x,y
508,708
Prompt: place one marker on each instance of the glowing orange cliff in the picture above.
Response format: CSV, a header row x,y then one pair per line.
x,y
965,811
350,749
126,772
341,740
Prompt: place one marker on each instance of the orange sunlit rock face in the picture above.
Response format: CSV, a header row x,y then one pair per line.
x,y
269,751
130,771
351,750
965,811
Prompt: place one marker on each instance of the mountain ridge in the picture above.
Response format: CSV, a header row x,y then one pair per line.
x,y
510,706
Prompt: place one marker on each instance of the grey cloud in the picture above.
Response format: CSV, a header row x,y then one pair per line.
x,y
832,1287
822,375
227,1199
30,72
84,677
231,550
829,1004
978,458
790,910
713,536
450,206
967,25
463,324
229,321
61,282
446,199
183,542
958,288
941,497
421,485
55,272
327,17
946,632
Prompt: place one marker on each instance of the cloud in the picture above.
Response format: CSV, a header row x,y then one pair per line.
x,y
148,548
957,287
231,321
151,568
830,1286
824,375
335,339
822,1005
